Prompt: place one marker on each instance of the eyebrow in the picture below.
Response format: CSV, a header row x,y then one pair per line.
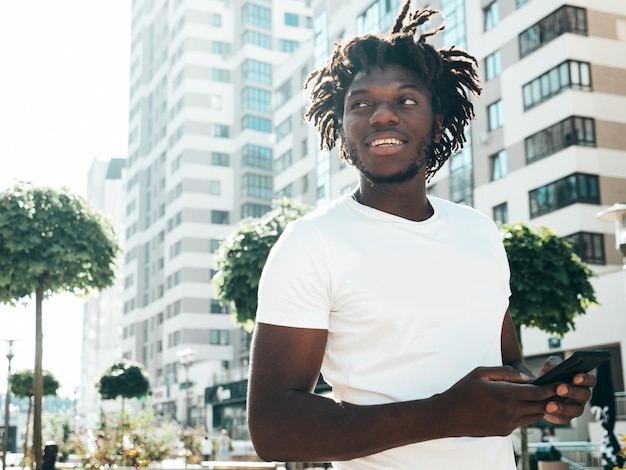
x,y
404,86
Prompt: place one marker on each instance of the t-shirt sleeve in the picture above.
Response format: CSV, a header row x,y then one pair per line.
x,y
294,289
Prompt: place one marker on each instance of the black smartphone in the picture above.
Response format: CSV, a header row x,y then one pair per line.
x,y
580,361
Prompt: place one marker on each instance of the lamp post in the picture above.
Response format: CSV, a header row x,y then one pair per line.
x,y
617,214
7,408
186,358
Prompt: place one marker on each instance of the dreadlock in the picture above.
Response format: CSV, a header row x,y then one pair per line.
x,y
448,73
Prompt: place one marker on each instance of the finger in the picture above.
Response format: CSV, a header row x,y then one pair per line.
x,y
585,380
504,374
573,393
562,412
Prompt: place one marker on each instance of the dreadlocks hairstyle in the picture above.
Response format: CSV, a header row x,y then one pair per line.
x,y
449,74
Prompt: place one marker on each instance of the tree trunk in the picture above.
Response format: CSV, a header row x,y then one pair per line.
x,y
38,381
30,409
524,457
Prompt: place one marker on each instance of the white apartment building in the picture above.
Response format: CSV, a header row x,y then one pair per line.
x,y
216,131
547,147
102,311
201,145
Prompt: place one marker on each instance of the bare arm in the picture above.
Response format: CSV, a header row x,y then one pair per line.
x,y
288,422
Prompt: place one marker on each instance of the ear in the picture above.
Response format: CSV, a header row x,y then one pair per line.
x,y
437,128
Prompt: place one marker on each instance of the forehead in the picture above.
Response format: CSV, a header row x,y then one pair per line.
x,y
391,76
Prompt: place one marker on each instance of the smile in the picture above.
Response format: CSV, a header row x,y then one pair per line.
x,y
385,142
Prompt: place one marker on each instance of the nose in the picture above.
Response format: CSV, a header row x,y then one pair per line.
x,y
383,113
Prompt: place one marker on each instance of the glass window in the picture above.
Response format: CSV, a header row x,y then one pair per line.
x,y
254,210
496,117
257,123
257,15
493,65
257,156
221,131
569,74
498,165
501,213
588,246
257,99
220,75
567,19
287,45
283,162
258,39
492,15
220,217
219,47
216,307
576,188
219,337
220,159
283,94
291,19
257,186
257,71
283,129
571,131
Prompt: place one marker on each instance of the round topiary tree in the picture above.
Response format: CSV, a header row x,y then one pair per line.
x,y
549,286
51,241
21,384
242,255
126,379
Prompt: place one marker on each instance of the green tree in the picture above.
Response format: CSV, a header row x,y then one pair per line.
x,y
51,241
550,286
126,379
549,283
21,384
242,255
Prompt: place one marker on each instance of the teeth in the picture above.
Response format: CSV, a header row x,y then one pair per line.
x,y
389,141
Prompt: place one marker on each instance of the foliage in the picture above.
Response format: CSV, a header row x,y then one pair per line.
x,y
242,255
125,379
549,282
190,439
59,428
21,383
132,442
22,386
549,286
54,239
51,241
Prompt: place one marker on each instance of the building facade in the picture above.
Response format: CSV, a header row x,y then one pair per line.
x,y
216,132
102,312
201,148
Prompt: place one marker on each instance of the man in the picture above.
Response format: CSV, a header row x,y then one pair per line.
x,y
398,298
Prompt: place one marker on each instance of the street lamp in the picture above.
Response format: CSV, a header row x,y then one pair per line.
x,y
186,358
7,408
617,213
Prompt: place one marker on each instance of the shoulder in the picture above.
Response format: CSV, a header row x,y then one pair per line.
x,y
460,213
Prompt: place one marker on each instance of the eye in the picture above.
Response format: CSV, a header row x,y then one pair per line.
x,y
409,100
358,104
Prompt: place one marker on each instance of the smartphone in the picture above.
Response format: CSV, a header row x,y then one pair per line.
x,y
580,361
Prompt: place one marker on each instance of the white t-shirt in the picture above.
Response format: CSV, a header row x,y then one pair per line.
x,y
410,308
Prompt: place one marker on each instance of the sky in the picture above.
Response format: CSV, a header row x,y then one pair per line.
x,y
63,103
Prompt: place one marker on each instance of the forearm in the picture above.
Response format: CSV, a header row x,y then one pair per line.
x,y
304,427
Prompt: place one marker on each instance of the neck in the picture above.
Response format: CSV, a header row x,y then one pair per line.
x,y
409,202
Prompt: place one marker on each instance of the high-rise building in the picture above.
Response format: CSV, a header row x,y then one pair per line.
x,y
216,132
547,146
201,148
102,311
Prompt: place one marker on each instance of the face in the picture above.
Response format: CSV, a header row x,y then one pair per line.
x,y
388,124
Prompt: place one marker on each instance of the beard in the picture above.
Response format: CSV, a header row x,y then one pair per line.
x,y
422,155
